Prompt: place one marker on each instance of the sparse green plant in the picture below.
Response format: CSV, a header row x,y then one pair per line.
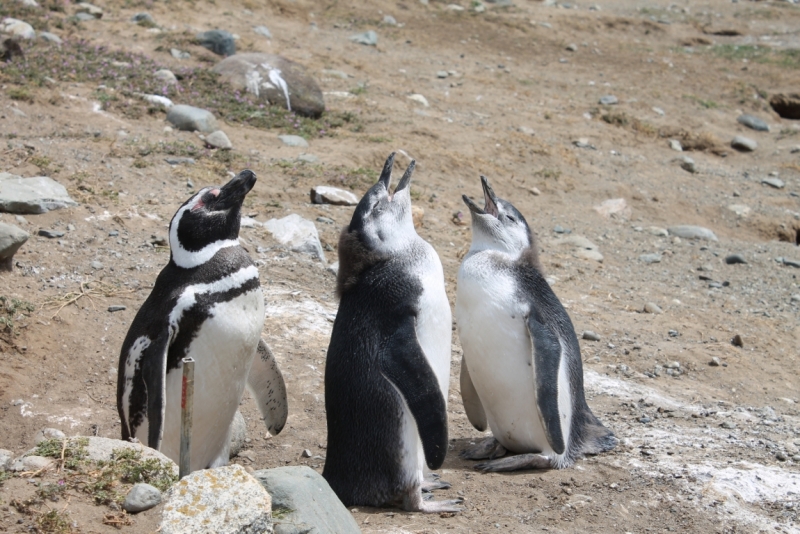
x,y
21,94
4,475
51,492
72,450
548,174
54,522
11,309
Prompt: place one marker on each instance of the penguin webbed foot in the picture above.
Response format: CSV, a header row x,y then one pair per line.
x,y
515,463
414,501
432,483
486,448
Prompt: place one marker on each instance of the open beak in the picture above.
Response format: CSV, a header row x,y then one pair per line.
x,y
490,200
233,193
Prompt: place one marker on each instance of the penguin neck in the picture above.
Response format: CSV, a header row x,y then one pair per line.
x,y
189,259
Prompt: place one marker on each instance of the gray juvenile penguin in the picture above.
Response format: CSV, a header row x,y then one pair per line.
x,y
206,303
388,366
521,373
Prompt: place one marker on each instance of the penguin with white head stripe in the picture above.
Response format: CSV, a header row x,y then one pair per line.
x,y
521,372
207,304
387,371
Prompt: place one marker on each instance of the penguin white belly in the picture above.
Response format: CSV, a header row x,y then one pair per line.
x,y
434,333
498,349
223,350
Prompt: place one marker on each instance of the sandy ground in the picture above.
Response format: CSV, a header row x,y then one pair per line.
x,y
511,109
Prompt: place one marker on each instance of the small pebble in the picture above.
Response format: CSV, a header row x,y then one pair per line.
x,y
117,308
733,259
777,183
737,341
96,265
753,122
781,456
572,47
675,145
608,100
688,164
590,336
650,258
714,362
644,419
743,144
673,333
561,230
652,307
306,453
728,424
113,233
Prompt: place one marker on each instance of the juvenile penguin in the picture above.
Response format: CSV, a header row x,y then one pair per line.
x,y
388,366
207,304
521,372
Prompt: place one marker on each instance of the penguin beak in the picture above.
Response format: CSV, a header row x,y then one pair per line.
x,y
233,193
490,200
386,174
406,179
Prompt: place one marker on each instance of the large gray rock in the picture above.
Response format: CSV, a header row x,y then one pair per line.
x,y
17,28
225,500
274,80
306,502
11,239
220,42
103,449
299,234
48,433
293,140
32,463
39,194
141,497
6,457
238,434
744,144
190,118
219,140
692,232
323,194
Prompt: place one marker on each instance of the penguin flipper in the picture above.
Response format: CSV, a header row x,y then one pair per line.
x,y
155,379
469,396
265,383
547,356
403,363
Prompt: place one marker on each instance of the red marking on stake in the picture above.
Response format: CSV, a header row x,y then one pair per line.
x,y
183,394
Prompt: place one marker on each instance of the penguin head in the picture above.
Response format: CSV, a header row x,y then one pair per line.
x,y
382,219
209,221
498,226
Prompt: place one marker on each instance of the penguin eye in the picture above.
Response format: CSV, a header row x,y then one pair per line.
x,y
510,218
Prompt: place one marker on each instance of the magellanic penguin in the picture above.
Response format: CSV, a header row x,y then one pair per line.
x,y
207,304
388,366
521,372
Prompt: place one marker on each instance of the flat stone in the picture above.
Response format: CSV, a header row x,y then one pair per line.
x,y
777,183
166,76
91,9
616,208
572,47
306,501
734,259
578,241
657,231
116,308
743,144
220,42
225,500
590,336
608,100
655,257
674,144
791,263
369,38
753,122
190,118
442,74
692,232
51,38
588,254
527,130
17,28
652,307
39,194
144,19
158,100
740,209
419,99
293,140
263,30
297,233
307,158
274,80
786,105
219,140
179,54
238,434
11,240
6,458
389,20
141,497
50,234
48,433
84,17
32,463
728,425
323,194
174,160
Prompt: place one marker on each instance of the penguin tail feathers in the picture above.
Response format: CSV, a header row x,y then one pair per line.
x,y
597,438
